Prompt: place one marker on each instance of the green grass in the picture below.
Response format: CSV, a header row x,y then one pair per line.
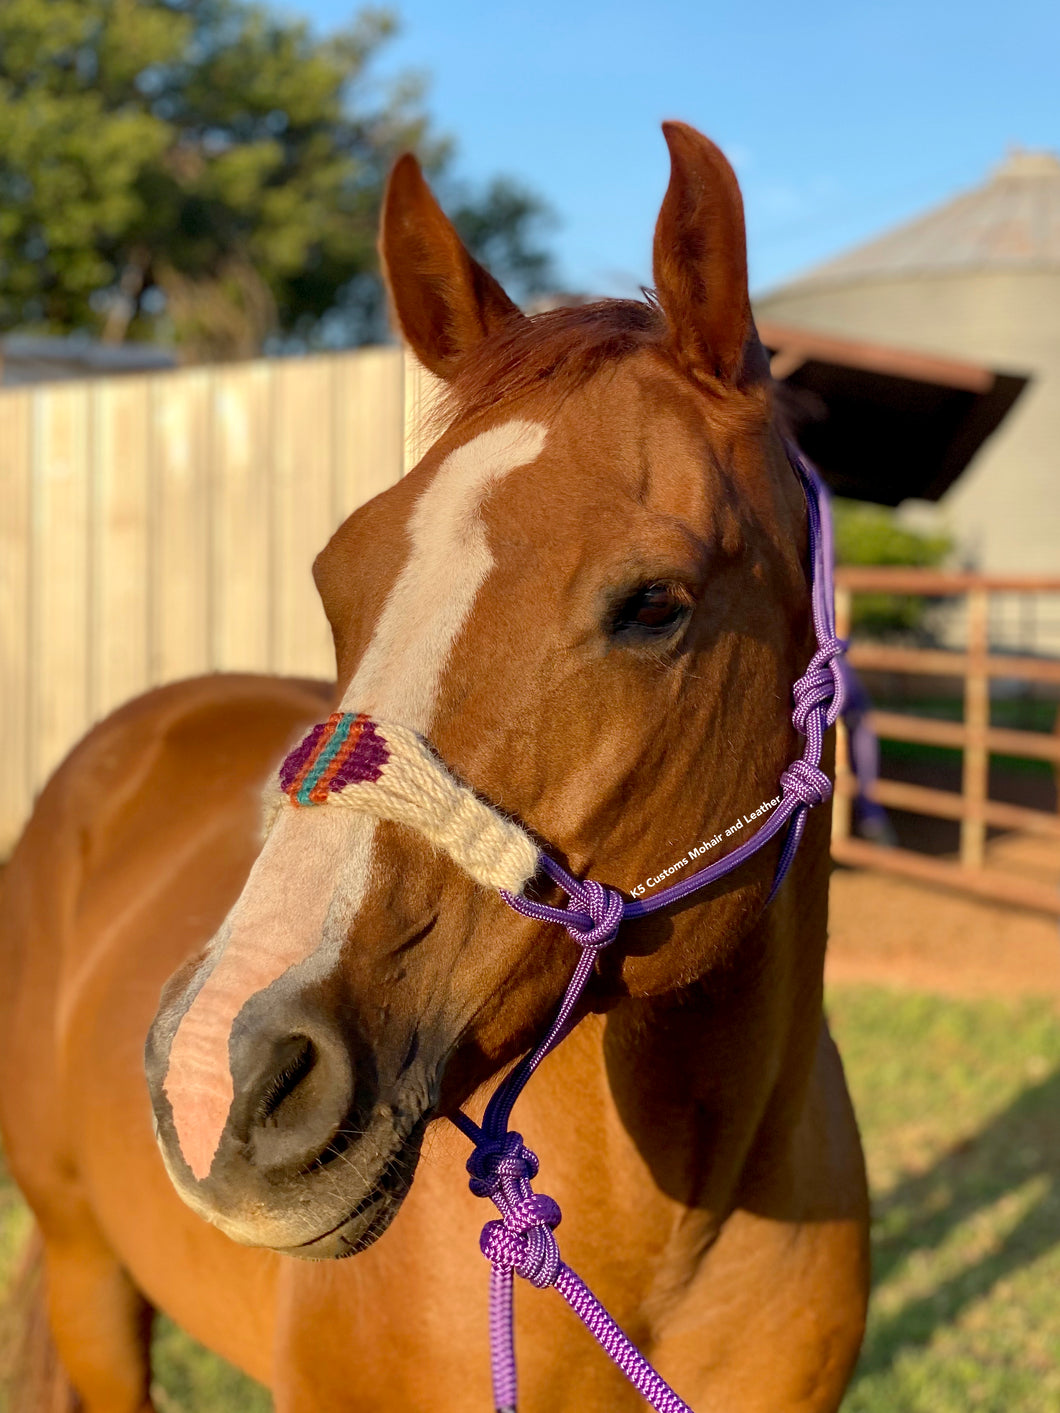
x,y
191,1380
959,1104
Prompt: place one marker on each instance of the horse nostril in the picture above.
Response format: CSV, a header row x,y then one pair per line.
x,y
293,1096
285,1081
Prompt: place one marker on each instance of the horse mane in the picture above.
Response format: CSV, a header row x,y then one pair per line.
x,y
554,352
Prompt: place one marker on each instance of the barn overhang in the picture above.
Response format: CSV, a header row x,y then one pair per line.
x,y
885,424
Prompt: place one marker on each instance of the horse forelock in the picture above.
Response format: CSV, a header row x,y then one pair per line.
x,y
313,873
549,355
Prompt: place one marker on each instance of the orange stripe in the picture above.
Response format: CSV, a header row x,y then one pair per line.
x,y
319,792
325,736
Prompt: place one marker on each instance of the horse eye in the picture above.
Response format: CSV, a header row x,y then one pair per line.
x,y
652,609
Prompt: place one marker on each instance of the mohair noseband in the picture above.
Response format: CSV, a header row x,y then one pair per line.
x,y
386,770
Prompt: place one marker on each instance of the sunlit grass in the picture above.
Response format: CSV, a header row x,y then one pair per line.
x,y
14,1228
959,1104
188,1379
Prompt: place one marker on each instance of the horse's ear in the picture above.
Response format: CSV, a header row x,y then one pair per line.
x,y
700,262
445,302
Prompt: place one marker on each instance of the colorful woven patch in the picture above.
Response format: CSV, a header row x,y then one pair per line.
x,y
344,750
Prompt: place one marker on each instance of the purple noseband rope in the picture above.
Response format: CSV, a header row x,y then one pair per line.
x,y
522,1241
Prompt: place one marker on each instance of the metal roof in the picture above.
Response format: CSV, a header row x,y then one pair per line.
x,y
1010,222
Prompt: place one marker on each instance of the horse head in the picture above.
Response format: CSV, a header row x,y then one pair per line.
x,y
582,613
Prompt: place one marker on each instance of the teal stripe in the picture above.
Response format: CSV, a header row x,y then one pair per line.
x,y
325,758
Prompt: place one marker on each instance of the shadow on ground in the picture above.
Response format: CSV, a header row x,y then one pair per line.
x,y
1018,1149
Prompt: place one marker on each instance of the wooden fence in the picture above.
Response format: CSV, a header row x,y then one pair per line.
x,y
158,526
976,667
153,527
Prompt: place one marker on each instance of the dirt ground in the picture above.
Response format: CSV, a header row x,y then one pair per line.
x,y
897,932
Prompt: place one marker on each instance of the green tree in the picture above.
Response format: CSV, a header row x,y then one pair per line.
x,y
210,172
871,534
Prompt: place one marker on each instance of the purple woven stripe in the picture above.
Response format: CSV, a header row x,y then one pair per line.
x,y
618,1345
301,754
370,755
361,757
502,1336
502,1168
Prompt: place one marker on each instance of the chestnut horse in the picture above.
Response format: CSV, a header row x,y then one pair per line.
x,y
592,597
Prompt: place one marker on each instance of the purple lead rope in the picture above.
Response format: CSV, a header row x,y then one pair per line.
x,y
522,1241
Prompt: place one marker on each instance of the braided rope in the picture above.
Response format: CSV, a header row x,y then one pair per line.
x,y
522,1242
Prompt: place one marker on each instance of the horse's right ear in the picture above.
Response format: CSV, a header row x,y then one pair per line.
x,y
444,301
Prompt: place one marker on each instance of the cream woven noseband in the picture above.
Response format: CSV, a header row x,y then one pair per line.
x,y
382,769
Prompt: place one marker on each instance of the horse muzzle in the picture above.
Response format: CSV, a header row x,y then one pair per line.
x,y
301,1147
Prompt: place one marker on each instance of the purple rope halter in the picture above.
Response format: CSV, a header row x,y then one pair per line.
x,y
522,1241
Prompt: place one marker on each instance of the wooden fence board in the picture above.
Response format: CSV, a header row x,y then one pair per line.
x,y
422,392
242,539
369,428
158,526
974,737
947,804
938,583
940,662
986,883
119,607
181,559
59,622
304,517
17,777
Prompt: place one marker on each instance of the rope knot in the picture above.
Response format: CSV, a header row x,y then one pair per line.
x,y
496,1160
821,685
806,782
602,907
523,1241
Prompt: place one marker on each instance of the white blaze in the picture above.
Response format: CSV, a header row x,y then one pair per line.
x,y
398,676
312,875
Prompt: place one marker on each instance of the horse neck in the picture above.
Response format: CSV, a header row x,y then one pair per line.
x,y
710,1082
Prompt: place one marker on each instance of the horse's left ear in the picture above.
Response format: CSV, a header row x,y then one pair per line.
x,y
700,263
444,300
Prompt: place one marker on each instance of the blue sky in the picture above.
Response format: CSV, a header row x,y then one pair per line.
x,y
841,118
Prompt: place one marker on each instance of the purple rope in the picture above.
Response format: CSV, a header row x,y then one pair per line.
x,y
522,1241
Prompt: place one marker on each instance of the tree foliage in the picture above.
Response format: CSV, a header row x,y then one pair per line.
x,y
210,172
872,534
